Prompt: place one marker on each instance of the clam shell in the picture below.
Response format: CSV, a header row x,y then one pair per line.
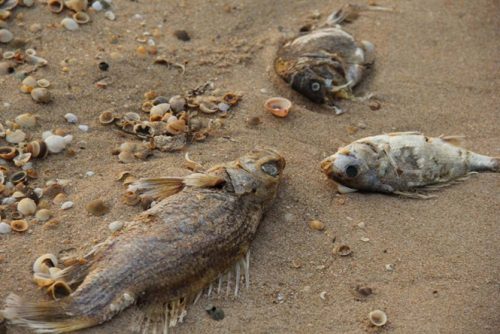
x,y
44,262
316,225
26,206
208,107
59,289
5,36
26,120
43,215
147,106
38,149
29,81
344,250
377,318
126,157
278,106
7,152
41,95
22,159
143,130
15,137
26,3
81,17
18,177
19,225
55,143
76,5
132,117
176,127
30,52
55,6
8,55
69,24
43,83
177,103
106,117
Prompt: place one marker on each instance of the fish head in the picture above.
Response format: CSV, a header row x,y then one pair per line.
x,y
353,167
258,173
310,84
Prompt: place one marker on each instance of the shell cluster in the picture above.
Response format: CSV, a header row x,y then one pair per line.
x,y
170,122
46,274
38,89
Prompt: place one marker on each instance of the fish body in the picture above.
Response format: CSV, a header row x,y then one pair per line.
x,y
168,254
403,162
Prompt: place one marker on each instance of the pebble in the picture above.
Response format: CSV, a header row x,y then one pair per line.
x,y
83,127
5,228
182,35
89,173
71,118
365,239
224,107
316,225
389,267
115,226
67,205
97,207
69,24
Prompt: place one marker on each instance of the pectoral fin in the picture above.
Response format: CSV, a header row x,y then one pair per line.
x,y
345,190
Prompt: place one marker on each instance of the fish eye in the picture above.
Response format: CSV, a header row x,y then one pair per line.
x,y
351,171
315,86
270,168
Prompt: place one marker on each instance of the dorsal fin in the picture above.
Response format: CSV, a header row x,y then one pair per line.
x,y
453,140
163,187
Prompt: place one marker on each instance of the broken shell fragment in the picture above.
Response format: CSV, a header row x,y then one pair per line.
x,y
59,289
132,117
377,318
147,106
344,250
176,127
55,143
278,106
19,225
81,17
7,152
41,95
42,280
231,98
208,107
44,262
106,117
126,157
22,159
26,120
97,207
56,6
15,137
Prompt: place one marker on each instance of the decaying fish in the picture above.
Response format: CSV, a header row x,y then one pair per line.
x,y
403,162
326,63
200,232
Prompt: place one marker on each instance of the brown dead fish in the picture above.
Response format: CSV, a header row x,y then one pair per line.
x,y
198,233
326,63
404,163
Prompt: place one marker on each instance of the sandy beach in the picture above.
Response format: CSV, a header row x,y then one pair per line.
x,y
436,71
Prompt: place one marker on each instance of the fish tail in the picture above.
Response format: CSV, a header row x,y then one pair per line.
x,y
495,164
45,317
483,163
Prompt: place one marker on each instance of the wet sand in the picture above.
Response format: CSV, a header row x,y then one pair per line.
x,y
436,71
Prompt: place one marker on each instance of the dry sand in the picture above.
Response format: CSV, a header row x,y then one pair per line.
x,y
437,71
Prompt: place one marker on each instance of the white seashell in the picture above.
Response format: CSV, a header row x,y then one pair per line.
x,y
83,127
5,228
160,109
89,173
15,137
68,139
35,60
27,120
43,215
22,159
378,318
44,262
8,55
46,134
9,200
115,226
38,192
110,15
67,205
69,24
5,36
97,6
26,206
44,83
71,118
55,143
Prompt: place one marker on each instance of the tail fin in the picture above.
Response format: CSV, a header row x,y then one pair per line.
x,y
44,317
495,165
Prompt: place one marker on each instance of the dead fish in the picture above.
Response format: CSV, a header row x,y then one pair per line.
x,y
403,162
199,232
326,63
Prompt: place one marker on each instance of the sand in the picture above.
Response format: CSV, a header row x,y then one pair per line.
x,y
436,71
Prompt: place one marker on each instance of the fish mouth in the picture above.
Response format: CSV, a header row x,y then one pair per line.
x,y
327,167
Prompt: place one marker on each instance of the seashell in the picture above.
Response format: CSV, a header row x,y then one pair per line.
x,y
224,107
8,4
35,60
4,15
377,318
27,120
110,15
69,24
43,83
132,117
38,149
15,137
67,205
159,110
30,52
97,6
18,194
126,157
55,6
18,177
177,103
126,126
159,100
5,228
42,280
278,106
231,98
115,226
122,175
5,36
28,84
7,152
176,127
8,55
76,5
71,118
81,17
97,207
83,127
26,3
344,250
59,289
43,215
143,130
22,159
106,117
59,198
6,68
208,107
192,165
41,95
128,146
26,206
147,106
316,225
19,225
44,262
55,143
129,180
131,198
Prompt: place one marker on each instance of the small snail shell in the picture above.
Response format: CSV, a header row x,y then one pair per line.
x,y
378,318
44,262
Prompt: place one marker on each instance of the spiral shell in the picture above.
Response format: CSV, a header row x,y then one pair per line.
x,y
38,149
44,262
